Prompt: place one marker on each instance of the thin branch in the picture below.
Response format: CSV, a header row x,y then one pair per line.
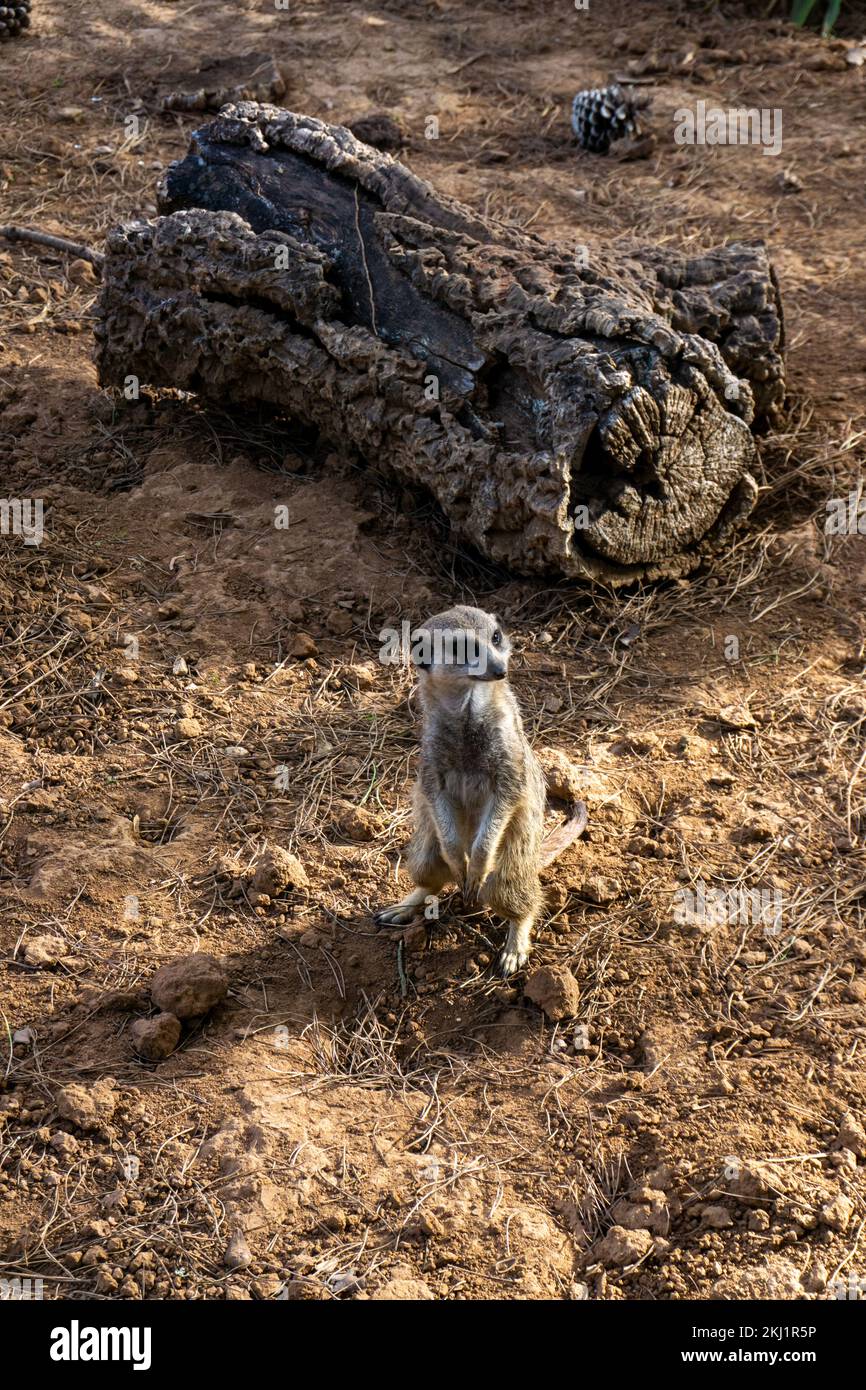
x,y
12,232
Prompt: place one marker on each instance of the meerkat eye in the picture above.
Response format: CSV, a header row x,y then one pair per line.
x,y
496,639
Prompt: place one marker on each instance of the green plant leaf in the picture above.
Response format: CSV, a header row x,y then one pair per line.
x,y
830,17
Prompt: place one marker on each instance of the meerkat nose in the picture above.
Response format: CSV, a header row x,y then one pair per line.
x,y
491,668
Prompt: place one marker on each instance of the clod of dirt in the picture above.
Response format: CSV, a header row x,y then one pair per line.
x,y
650,1212
66,1145
338,622
189,987
276,870
155,1038
411,1290
716,1217
560,773
753,1181
80,272
359,824
301,646
600,890
851,1136
188,728
775,1279
88,1107
837,1213
45,950
238,1254
554,989
362,674
622,1247
306,1290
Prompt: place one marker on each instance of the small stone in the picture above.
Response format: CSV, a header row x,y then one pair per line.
x,y
180,667
188,728
749,1179
306,1290
155,1038
81,272
837,1213
267,1287
238,1254
415,937
554,989
276,870
66,1145
855,992
601,890
363,674
302,646
851,1136
88,1107
718,1218
622,1247
189,987
815,1278
339,622
45,950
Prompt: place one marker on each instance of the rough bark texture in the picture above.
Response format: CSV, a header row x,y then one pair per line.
x,y
593,421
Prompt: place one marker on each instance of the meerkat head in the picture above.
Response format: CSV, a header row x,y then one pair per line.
x,y
460,646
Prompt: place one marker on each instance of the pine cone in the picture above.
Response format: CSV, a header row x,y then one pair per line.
x,y
605,114
14,18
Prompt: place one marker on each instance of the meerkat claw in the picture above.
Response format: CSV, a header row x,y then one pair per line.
x,y
396,916
518,945
402,913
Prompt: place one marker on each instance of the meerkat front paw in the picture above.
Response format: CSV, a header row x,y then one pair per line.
x,y
515,952
400,914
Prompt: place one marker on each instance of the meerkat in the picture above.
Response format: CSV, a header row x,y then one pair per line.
x,y
480,796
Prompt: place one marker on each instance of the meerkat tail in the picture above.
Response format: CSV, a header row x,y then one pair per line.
x,y
557,841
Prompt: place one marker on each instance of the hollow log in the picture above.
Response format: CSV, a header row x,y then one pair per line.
x,y
586,412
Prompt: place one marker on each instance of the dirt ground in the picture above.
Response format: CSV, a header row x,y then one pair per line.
x,y
364,1117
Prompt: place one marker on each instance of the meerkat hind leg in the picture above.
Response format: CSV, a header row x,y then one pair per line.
x,y
518,945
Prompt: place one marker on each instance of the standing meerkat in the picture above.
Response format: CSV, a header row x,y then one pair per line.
x,y
480,796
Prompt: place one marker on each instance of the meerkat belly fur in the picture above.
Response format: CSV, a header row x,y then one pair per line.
x,y
480,796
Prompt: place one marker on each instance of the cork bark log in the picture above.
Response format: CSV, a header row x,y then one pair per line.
x,y
584,414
